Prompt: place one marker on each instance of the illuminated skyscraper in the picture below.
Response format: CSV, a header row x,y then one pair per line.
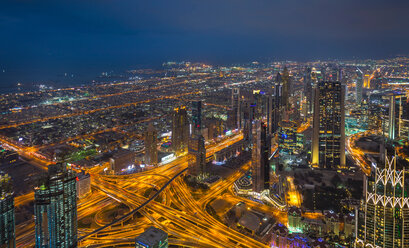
x,y
286,87
260,157
7,223
287,137
383,219
398,116
277,107
151,150
180,130
359,85
328,141
55,209
197,165
263,107
308,89
235,108
196,117
367,81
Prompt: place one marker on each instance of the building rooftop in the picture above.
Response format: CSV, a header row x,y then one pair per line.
x,y
151,237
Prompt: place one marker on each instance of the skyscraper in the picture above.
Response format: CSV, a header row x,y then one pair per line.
x,y
398,116
196,117
276,118
55,209
359,85
286,87
263,107
328,141
180,130
151,150
197,149
308,89
7,223
235,108
383,219
260,157
367,81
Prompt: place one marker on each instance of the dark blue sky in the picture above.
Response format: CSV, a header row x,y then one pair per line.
x,y
43,38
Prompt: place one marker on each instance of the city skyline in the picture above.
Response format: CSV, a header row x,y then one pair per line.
x,y
205,124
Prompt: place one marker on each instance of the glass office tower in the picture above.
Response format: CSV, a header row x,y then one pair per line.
x,y
55,209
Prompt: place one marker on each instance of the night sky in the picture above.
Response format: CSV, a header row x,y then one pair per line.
x,y
41,39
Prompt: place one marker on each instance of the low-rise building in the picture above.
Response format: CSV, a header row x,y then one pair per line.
x,y
122,160
152,238
83,184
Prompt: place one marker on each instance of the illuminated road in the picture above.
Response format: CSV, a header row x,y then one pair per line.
x,y
357,153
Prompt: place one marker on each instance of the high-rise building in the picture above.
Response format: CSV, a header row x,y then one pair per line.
x,y
286,87
277,109
180,130
151,149
308,90
328,141
55,209
287,137
152,238
7,223
359,85
197,149
263,107
367,81
398,116
236,108
196,117
260,157
383,219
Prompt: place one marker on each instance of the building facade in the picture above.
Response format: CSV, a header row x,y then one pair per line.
x,y
328,141
260,157
151,149
55,209
7,222
197,149
383,217
235,109
180,130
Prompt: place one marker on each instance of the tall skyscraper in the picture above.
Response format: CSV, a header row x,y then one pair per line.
x,y
359,85
180,130
7,223
196,117
197,149
383,219
260,157
263,107
286,89
367,81
398,116
55,209
151,150
277,109
235,108
328,141
308,89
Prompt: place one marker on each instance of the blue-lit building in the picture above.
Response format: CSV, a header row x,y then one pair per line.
x,y
152,238
7,226
287,137
55,209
